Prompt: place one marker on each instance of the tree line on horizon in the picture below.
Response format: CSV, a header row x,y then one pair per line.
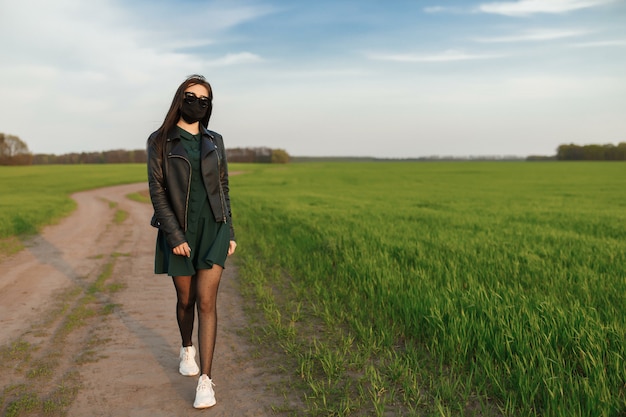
x,y
14,151
607,152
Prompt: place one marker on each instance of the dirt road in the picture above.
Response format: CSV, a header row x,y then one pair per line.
x,y
89,330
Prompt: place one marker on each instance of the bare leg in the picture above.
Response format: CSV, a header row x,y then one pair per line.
x,y
208,284
186,300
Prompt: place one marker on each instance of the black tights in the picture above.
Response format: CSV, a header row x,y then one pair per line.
x,y
199,291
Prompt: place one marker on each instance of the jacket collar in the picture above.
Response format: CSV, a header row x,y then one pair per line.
x,y
206,132
173,133
207,143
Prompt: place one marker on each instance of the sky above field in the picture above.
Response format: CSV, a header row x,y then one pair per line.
x,y
319,78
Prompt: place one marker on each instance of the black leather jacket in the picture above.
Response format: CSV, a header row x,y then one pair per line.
x,y
169,179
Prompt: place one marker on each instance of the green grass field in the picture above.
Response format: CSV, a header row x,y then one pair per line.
x,y
444,288
393,288
34,196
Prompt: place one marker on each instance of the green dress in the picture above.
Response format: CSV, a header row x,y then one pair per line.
x,y
208,239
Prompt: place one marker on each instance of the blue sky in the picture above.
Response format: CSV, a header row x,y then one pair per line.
x,y
325,78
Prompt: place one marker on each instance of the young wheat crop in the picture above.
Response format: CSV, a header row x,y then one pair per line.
x,y
491,286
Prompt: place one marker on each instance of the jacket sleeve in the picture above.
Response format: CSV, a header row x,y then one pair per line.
x,y
164,217
225,186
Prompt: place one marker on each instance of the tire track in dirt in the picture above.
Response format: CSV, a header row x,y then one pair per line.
x,y
82,305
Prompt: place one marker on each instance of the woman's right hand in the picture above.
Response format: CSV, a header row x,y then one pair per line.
x,y
182,250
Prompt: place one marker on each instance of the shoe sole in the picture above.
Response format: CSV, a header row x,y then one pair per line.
x,y
184,374
205,405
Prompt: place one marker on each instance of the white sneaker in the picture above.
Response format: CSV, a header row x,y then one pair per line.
x,y
188,365
205,396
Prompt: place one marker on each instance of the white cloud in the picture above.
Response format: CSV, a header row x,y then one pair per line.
x,y
549,86
100,74
529,88
234,59
220,16
528,7
442,9
534,35
97,64
94,37
597,44
445,56
180,44
324,73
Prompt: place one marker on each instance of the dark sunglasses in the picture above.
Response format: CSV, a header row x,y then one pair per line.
x,y
191,98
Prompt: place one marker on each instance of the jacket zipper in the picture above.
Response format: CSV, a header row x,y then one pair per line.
x,y
219,175
222,198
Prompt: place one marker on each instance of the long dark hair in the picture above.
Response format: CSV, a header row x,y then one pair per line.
x,y
173,114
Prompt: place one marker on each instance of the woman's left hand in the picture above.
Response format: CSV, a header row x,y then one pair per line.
x,y
231,247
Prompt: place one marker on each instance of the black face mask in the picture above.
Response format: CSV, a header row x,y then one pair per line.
x,y
192,112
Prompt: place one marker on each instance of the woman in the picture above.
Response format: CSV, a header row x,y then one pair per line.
x,y
188,180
